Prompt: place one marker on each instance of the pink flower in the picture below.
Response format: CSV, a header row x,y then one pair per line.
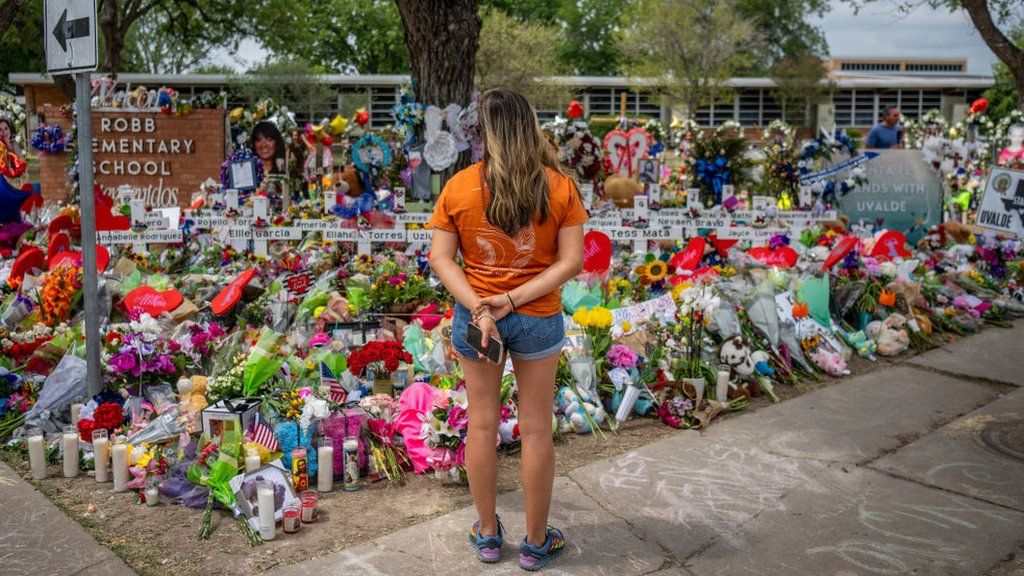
x,y
442,400
215,330
622,357
124,362
458,418
303,392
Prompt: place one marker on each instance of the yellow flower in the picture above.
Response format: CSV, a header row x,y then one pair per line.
x,y
677,290
627,326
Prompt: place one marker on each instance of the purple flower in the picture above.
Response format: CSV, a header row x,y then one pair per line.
x,y
622,357
215,330
124,362
778,241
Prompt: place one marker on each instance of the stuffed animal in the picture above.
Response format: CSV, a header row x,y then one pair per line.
x,y
859,341
831,363
743,360
622,190
890,334
575,408
508,431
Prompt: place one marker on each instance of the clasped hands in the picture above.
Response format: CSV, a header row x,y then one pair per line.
x,y
492,308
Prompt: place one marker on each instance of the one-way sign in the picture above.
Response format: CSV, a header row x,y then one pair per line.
x,y
69,30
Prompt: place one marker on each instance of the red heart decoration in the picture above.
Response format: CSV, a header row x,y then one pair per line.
x,y
152,302
298,283
31,203
59,242
722,246
839,251
689,257
30,258
889,246
782,257
62,222
597,252
75,258
231,293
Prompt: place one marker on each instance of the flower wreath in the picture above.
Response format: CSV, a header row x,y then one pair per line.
x,y
581,151
13,112
1014,117
369,141
408,113
241,153
50,139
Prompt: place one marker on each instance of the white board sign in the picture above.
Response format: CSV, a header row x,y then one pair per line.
x,y
69,30
1002,204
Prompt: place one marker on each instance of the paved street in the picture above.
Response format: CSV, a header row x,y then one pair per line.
x,y
887,473
910,469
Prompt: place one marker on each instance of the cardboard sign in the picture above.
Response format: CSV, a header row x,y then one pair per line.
x,y
297,284
662,307
151,301
1002,204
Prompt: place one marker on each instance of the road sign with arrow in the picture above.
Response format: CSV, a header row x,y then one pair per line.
x,y
70,34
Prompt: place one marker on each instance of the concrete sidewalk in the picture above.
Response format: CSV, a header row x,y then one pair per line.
x,y
913,469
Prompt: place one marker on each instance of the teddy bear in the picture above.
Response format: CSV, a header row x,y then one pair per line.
x,y
743,362
830,362
890,334
575,407
622,190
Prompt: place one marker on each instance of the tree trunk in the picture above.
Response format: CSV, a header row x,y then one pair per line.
x,y
8,8
442,37
1003,47
113,39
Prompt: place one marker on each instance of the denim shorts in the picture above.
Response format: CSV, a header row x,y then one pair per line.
x,y
525,337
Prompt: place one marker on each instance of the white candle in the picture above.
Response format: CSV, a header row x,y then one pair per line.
x,y
252,461
76,409
70,444
152,496
37,455
265,502
101,457
722,386
325,466
119,456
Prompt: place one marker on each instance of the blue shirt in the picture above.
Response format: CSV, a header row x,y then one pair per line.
x,y
882,136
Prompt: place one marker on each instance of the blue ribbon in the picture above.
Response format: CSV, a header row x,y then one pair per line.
x,y
714,174
363,205
851,163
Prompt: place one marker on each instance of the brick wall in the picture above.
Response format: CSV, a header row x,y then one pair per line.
x,y
192,151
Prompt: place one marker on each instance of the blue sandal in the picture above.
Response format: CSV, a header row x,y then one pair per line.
x,y
533,558
488,548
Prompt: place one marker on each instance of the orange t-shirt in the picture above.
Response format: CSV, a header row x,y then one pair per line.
x,y
496,263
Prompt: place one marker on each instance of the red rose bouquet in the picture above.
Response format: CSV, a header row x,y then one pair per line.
x,y
378,358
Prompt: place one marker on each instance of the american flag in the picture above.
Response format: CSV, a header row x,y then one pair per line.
x,y
263,435
328,378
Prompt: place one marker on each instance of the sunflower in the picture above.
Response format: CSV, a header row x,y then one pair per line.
x,y
653,271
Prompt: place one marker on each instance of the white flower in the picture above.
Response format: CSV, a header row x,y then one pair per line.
x,y
312,408
459,398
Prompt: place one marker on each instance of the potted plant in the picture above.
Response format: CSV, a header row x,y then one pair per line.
x,y
377,360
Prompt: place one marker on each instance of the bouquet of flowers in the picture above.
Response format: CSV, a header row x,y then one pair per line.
x,y
444,431
59,292
398,290
105,410
215,466
596,323
17,395
378,358
137,354
388,457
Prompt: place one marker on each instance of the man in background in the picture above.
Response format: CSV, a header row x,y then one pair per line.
x,y
888,133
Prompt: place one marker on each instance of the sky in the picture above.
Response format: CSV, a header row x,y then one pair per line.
x,y
877,30
880,30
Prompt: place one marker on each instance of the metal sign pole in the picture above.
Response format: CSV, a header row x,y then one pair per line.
x,y
90,280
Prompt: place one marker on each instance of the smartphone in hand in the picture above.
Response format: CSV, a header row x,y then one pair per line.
x,y
494,351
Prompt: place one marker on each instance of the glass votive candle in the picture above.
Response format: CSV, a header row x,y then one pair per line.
x,y
69,445
290,518
309,501
101,454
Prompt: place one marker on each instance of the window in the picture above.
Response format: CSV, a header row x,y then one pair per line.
x,y
381,101
843,103
864,112
935,67
869,67
750,107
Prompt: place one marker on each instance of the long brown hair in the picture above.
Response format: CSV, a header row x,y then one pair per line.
x,y
516,154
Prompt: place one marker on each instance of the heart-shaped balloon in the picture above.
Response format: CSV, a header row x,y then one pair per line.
x,y
61,223
839,251
151,301
231,293
74,258
106,221
889,246
689,257
625,149
28,260
597,252
59,242
782,257
33,202
722,246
